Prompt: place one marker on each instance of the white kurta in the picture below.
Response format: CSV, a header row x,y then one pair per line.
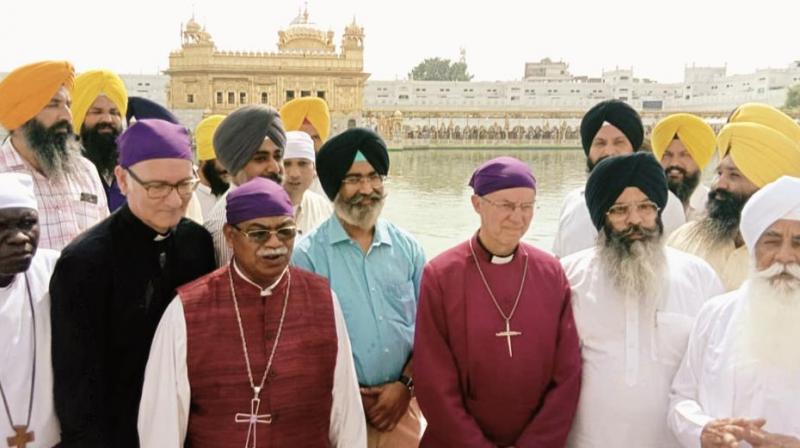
x,y
576,231
16,350
313,210
631,351
731,263
316,187
166,395
709,385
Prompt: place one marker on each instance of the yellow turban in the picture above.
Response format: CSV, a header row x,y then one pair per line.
x,y
310,108
695,134
89,85
767,116
761,153
28,89
204,137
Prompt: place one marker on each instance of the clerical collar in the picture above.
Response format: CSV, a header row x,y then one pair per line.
x,y
138,228
263,292
495,259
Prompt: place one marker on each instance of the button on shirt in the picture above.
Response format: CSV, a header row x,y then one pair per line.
x,y
378,292
67,205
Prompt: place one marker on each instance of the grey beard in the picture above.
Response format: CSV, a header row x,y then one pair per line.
x,y
712,232
355,214
636,268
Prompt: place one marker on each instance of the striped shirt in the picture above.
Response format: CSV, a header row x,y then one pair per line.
x,y
214,222
67,205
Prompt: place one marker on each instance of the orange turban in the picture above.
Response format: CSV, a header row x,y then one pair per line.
x,y
308,108
28,89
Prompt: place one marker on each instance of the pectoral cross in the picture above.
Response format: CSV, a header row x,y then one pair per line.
x,y
253,418
22,438
507,334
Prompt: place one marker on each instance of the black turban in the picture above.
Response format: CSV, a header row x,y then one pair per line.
x,y
142,108
613,175
243,132
336,157
616,112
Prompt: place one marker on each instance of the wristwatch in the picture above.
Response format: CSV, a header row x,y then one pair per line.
x,y
407,381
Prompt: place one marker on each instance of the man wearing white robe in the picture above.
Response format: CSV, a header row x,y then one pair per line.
x,y
634,302
22,266
310,208
610,128
168,404
740,378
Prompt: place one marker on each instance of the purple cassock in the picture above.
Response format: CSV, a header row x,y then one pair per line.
x,y
472,390
257,198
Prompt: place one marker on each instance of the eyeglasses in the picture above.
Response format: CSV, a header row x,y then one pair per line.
x,y
160,190
508,207
646,209
374,180
261,236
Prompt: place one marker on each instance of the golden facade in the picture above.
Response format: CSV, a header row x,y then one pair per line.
x,y
305,64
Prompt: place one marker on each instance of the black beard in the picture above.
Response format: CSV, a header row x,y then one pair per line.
x,y
53,150
101,148
275,177
683,189
218,186
724,213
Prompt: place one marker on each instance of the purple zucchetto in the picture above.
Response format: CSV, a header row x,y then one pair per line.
x,y
257,198
501,173
153,139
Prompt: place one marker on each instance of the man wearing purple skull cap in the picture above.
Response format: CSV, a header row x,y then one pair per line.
x,y
113,283
256,350
497,358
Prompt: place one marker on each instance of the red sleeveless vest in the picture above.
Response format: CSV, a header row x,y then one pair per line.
x,y
298,390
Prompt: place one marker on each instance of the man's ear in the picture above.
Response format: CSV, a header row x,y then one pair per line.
x,y
122,179
228,231
476,203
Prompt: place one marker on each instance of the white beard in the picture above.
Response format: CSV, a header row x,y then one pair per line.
x,y
769,326
636,272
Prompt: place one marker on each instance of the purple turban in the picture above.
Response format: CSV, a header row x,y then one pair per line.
x,y
153,139
501,173
257,198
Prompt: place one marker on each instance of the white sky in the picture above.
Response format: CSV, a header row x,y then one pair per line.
x,y
656,38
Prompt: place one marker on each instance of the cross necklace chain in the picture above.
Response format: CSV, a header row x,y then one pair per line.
x,y
22,437
507,333
254,418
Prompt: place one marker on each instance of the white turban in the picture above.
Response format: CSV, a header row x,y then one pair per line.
x,y
298,146
775,201
16,191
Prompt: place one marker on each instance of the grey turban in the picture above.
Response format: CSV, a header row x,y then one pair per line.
x,y
242,132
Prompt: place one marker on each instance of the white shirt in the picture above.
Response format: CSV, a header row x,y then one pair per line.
x,y
214,222
631,351
16,336
206,198
166,396
576,231
709,385
313,210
